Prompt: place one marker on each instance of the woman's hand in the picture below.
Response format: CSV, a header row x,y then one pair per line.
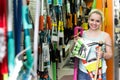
x,y
76,38
99,52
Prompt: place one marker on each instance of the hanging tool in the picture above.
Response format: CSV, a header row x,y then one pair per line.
x,y
3,41
17,4
77,30
49,21
68,28
68,15
61,30
79,13
54,44
18,65
105,13
41,18
36,31
11,42
28,64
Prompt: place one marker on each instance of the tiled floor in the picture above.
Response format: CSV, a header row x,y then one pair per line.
x,y
66,73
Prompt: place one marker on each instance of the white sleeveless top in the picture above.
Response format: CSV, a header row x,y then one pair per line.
x,y
92,52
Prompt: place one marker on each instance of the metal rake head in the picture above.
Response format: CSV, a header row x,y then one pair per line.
x,y
100,43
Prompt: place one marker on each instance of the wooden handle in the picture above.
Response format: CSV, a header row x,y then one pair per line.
x,y
97,64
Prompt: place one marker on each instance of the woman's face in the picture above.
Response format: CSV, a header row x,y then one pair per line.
x,y
94,21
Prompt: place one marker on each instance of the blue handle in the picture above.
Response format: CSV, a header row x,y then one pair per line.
x,y
11,52
27,40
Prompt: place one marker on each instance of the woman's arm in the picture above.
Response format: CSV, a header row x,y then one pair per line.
x,y
109,52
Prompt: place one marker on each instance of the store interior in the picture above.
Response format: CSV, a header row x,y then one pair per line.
x,y
40,36
66,67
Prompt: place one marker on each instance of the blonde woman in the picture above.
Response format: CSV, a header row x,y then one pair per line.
x,y
94,34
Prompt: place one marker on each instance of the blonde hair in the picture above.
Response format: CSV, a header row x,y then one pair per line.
x,y
97,11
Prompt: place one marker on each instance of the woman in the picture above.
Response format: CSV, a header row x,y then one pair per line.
x,y
94,34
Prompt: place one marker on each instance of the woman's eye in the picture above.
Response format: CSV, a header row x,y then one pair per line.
x,y
97,20
92,19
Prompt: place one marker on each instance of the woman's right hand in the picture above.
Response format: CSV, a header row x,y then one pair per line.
x,y
76,38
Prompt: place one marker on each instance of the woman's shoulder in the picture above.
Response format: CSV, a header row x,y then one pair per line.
x,y
106,35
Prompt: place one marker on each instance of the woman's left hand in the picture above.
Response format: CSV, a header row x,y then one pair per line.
x,y
99,52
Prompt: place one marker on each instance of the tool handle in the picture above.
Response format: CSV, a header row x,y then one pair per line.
x,y
41,18
97,64
49,22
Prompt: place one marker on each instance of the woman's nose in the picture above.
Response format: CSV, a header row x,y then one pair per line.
x,y
94,22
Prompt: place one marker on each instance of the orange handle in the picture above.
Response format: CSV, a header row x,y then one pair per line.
x,y
49,22
41,18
